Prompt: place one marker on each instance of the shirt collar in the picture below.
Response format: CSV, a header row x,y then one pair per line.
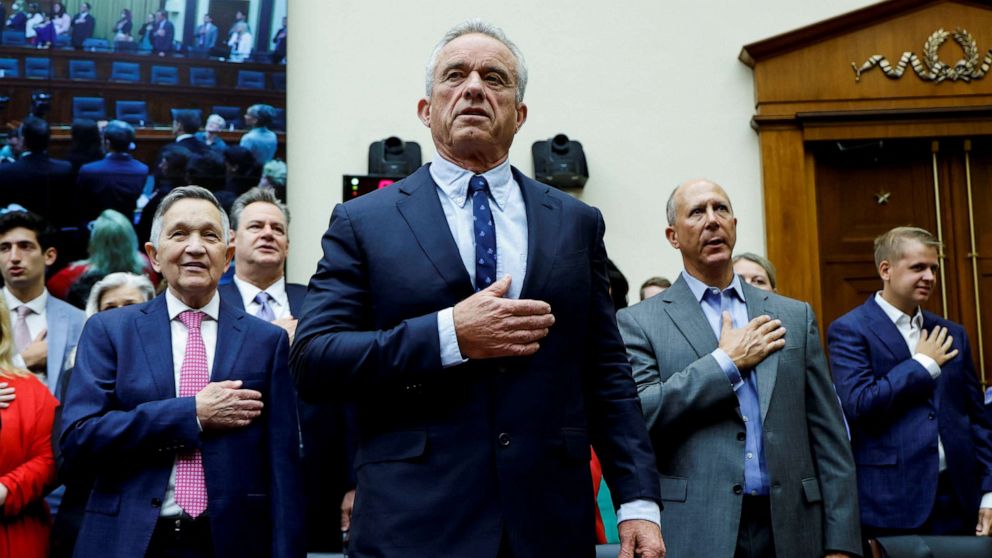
x,y
37,305
181,137
248,291
897,315
453,180
699,288
176,306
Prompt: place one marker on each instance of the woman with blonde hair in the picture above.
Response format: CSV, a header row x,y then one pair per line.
x,y
27,467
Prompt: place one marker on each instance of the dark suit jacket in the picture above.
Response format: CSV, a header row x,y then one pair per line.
x,y
196,146
896,410
123,420
450,458
41,184
699,434
115,182
163,43
82,31
328,445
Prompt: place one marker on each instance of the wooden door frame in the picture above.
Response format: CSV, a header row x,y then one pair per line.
x,y
789,183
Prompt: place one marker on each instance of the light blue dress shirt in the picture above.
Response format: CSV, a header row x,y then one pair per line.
x,y
745,388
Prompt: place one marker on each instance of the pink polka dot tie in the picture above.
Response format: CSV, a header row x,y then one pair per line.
x,y
191,486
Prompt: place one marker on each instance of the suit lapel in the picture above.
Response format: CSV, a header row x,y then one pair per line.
x,y
230,339
156,331
767,369
57,326
543,225
885,331
422,212
684,311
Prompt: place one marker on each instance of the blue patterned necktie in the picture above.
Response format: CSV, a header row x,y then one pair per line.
x,y
265,311
485,233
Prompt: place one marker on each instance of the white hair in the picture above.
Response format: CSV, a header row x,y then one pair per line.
x,y
115,281
188,193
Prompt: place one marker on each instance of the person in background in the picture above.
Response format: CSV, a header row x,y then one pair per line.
x,y
211,133
44,32
18,19
122,29
113,291
113,247
164,34
35,18
206,34
117,180
280,41
274,178
145,33
87,144
239,18
653,286
243,171
13,147
260,139
756,271
82,26
61,20
27,466
241,42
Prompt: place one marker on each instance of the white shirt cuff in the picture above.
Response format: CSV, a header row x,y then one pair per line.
x,y
986,500
451,354
640,509
930,364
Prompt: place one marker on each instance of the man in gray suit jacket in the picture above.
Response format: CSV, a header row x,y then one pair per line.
x,y
748,434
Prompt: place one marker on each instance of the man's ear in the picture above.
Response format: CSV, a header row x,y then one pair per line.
x,y
672,236
153,256
521,115
51,254
229,256
424,111
885,270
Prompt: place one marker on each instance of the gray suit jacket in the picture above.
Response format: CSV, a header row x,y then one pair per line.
x,y
698,433
65,323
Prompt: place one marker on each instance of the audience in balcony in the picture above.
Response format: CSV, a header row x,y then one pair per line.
x,y
206,34
260,139
18,19
145,33
211,134
116,181
60,19
241,42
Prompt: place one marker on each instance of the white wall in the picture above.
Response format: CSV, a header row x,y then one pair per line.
x,y
653,90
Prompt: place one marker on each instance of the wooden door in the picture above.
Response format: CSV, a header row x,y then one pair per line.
x,y
223,13
866,187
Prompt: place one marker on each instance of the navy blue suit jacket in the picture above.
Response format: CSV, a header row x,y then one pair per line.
x,y
41,184
896,410
122,420
114,182
448,459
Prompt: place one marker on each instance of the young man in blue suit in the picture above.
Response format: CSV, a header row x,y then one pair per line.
x,y
45,328
432,309
921,439
184,409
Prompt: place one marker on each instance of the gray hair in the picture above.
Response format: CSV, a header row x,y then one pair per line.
x,y
275,172
114,281
256,195
188,193
482,28
670,207
763,262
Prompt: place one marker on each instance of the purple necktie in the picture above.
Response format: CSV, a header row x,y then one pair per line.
x,y
22,335
191,486
265,311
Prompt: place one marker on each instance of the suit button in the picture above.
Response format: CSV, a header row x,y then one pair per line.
x,y
741,436
931,416
738,489
504,439
156,502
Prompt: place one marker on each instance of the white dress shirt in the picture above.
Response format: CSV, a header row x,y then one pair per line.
x,y
510,219
37,321
179,334
279,301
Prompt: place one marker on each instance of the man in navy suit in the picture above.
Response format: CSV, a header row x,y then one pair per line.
x,y
116,181
163,34
185,124
921,439
261,238
184,409
36,181
476,404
